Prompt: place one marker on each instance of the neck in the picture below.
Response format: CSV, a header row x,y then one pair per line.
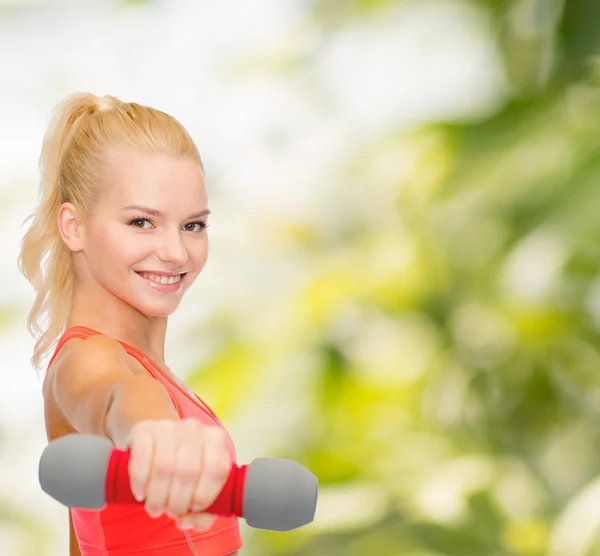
x,y
105,313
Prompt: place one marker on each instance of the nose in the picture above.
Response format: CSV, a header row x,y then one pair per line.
x,y
171,249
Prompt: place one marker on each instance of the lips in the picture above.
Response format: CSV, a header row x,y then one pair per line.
x,y
159,273
156,283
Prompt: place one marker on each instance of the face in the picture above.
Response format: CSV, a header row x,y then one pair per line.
x,y
145,241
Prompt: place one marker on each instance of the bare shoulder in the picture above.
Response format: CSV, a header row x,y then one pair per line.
x,y
79,382
83,361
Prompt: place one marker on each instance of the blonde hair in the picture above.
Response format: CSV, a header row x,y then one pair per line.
x,y
82,128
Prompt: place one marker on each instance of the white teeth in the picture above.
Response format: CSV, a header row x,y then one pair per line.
x,y
161,279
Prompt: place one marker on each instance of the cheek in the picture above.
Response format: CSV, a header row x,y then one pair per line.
x,y
118,250
198,252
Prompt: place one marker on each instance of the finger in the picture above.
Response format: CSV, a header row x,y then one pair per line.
x,y
140,461
216,467
188,467
162,469
197,521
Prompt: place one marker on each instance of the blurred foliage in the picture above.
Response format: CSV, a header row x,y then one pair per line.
x,y
14,521
453,327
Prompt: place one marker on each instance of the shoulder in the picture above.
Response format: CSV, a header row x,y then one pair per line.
x,y
78,383
101,347
85,361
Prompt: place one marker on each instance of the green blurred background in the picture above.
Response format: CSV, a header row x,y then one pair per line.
x,y
403,292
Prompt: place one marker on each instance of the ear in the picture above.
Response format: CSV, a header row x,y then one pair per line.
x,y
70,227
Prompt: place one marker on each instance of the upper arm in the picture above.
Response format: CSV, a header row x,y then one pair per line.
x,y
84,380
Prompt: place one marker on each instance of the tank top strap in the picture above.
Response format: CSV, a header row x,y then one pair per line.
x,y
84,332
145,361
73,332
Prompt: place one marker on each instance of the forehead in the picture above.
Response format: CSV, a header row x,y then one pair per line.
x,y
159,180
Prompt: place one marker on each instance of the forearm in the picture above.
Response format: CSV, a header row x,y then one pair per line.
x,y
135,399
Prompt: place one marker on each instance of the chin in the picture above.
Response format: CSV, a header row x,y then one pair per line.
x,y
152,308
153,311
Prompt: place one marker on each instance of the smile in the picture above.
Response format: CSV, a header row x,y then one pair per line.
x,y
162,279
165,284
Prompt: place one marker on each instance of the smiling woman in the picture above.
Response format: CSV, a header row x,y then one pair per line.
x,y
118,238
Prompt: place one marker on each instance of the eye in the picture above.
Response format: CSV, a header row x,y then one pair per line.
x,y
201,226
139,222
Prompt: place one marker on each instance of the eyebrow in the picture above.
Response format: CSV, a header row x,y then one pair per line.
x,y
158,213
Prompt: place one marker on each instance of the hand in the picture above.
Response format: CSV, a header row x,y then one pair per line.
x,y
178,467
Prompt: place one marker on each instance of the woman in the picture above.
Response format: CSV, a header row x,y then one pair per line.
x,y
117,239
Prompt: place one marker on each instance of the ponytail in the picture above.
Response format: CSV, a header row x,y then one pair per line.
x,y
44,259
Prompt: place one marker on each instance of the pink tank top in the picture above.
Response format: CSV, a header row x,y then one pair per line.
x,y
127,530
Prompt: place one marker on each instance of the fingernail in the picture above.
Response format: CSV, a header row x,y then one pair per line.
x,y
185,524
154,511
138,492
204,522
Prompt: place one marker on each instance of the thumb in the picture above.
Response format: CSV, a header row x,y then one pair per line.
x,y
194,520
